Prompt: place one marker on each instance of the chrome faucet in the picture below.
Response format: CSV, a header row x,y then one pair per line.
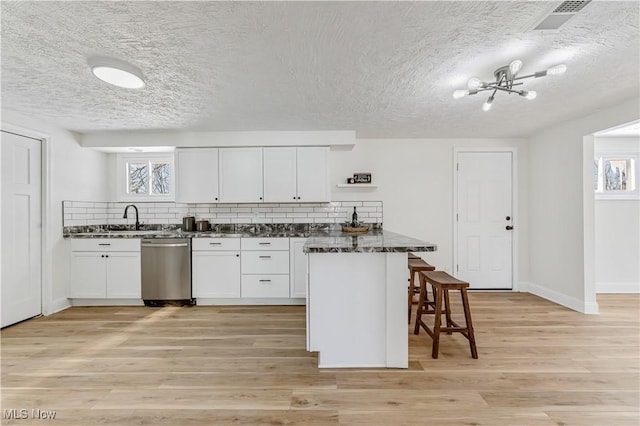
x,y
136,209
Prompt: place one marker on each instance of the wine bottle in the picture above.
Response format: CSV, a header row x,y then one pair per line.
x,y
354,217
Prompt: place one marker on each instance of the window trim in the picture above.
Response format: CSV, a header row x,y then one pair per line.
x,y
603,194
121,176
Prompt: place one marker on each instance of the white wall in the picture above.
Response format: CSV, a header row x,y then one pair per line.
x,y
415,178
71,173
617,232
561,203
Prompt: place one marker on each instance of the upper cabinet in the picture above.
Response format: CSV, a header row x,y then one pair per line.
x,y
280,174
240,173
312,164
296,174
252,175
196,175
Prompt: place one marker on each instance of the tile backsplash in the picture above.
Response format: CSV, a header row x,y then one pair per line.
x,y
84,213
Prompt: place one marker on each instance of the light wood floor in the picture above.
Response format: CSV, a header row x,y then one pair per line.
x,y
540,364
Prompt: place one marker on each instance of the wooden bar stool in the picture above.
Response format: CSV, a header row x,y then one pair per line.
x,y
413,256
415,266
441,282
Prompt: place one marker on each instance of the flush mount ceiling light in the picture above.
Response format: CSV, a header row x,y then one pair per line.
x,y
505,81
117,72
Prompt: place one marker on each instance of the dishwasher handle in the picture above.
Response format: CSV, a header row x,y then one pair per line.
x,y
165,245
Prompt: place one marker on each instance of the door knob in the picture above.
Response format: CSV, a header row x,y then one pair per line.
x,y
508,228
508,217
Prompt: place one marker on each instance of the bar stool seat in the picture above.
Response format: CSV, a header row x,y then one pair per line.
x,y
441,282
415,266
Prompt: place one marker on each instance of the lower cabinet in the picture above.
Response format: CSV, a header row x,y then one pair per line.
x,y
215,267
265,267
297,268
102,269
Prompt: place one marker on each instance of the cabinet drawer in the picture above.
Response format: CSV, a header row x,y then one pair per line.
x,y
265,262
265,243
105,244
265,286
215,244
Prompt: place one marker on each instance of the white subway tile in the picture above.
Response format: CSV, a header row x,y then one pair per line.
x,y
302,220
304,210
272,215
95,222
240,210
75,210
223,215
281,220
220,210
378,215
165,216
221,220
75,222
283,210
366,209
101,216
82,204
296,214
317,214
263,210
199,210
157,210
372,203
82,216
269,205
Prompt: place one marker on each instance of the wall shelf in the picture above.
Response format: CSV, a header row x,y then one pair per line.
x,y
356,185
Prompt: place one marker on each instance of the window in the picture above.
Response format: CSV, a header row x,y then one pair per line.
x,y
146,177
615,176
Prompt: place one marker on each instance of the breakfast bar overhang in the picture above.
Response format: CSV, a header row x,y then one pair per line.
x,y
357,298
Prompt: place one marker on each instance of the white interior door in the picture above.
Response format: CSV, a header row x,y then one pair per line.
x,y
484,195
21,232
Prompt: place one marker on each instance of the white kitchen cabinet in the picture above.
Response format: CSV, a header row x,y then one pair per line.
x,y
265,267
280,180
296,174
312,166
196,175
297,268
216,267
216,274
105,269
240,173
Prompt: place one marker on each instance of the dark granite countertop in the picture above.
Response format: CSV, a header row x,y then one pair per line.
x,y
218,231
371,242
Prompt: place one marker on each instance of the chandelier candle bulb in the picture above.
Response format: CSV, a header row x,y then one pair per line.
x,y
460,94
515,66
557,70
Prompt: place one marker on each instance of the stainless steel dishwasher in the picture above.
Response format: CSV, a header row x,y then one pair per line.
x,y
166,271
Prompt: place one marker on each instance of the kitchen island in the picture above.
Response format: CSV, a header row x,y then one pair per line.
x,y
357,298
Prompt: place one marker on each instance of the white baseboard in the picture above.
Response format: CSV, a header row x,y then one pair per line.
x,y
618,287
106,302
560,299
249,301
58,305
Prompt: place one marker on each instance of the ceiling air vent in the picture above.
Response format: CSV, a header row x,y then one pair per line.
x,y
560,15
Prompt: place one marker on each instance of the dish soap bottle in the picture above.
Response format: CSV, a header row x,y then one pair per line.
x,y
354,218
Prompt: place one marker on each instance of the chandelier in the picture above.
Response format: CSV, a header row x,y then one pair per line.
x,y
506,80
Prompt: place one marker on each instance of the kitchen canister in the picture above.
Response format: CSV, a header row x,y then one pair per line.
x,y
203,226
189,223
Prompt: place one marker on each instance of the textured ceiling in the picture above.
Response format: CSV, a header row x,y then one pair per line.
x,y
383,69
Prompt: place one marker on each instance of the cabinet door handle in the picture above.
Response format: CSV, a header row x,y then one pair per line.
x,y
265,257
215,244
264,244
265,281
104,244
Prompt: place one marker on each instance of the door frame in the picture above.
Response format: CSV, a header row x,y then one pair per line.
x,y
46,246
514,200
